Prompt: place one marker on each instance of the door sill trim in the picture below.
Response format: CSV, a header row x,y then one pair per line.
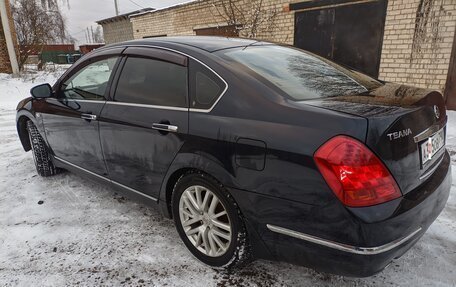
x,y
106,179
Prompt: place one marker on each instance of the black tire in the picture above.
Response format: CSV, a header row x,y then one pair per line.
x,y
43,161
237,254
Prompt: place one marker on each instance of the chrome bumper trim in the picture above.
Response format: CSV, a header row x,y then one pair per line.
x,y
341,246
105,178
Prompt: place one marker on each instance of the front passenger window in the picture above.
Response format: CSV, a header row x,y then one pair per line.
x,y
90,82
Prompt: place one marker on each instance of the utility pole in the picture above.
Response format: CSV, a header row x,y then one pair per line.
x,y
117,7
88,35
8,37
91,30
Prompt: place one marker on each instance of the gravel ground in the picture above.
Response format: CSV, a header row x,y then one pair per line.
x,y
66,230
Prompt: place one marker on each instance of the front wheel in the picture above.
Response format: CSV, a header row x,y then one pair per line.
x,y
209,222
43,161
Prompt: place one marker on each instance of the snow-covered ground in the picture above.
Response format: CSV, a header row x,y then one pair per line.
x,y
82,233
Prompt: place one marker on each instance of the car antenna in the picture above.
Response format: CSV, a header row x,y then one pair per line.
x,y
250,45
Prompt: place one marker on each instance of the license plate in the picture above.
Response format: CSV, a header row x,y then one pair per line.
x,y
432,145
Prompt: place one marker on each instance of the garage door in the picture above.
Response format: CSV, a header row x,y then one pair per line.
x,y
450,89
350,34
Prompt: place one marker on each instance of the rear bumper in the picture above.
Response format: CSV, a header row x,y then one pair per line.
x,y
327,259
374,250
358,242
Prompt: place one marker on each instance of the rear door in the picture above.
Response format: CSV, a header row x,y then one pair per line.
x,y
145,124
71,118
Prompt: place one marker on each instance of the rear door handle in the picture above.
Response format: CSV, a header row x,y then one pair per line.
x,y
89,117
164,127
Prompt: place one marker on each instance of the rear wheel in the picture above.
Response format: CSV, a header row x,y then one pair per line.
x,y
209,222
43,161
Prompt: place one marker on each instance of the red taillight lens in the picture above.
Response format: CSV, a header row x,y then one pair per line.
x,y
354,173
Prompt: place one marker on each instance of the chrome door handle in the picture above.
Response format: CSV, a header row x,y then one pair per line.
x,y
89,117
164,127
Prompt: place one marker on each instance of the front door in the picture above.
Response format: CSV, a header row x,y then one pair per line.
x,y
146,123
71,118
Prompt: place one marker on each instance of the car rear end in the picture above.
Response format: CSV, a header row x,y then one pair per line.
x,y
407,128
387,189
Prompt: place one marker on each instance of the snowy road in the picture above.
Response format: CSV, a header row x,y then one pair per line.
x,y
82,233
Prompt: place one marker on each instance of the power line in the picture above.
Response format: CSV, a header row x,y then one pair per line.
x,y
76,33
136,4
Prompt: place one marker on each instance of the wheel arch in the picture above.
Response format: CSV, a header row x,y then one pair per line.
x,y
21,125
184,163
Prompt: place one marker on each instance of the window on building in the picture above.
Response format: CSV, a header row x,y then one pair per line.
x,y
152,82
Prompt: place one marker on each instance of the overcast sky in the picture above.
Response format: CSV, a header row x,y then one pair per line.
x,y
84,13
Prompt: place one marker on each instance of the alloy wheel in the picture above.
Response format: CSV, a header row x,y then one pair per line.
x,y
205,221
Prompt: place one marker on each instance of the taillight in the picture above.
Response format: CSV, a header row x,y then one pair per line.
x,y
356,176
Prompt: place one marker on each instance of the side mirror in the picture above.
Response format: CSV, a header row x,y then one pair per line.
x,y
41,91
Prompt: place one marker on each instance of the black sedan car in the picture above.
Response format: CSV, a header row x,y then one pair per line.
x,y
256,150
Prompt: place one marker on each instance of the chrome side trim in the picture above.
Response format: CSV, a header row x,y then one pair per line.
x,y
210,69
106,179
431,171
341,246
147,106
426,133
76,100
83,169
134,190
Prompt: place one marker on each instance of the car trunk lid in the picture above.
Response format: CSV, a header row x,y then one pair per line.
x,y
403,128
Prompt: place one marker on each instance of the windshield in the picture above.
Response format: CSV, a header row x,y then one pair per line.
x,y
300,74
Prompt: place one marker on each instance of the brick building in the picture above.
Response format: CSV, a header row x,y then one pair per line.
x,y
86,48
119,28
404,41
5,63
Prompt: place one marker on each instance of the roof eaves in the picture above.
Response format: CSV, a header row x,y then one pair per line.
x,y
188,2
123,16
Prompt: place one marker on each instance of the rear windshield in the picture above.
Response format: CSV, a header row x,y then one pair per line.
x,y
300,74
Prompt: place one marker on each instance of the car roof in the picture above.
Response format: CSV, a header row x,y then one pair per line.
x,y
206,43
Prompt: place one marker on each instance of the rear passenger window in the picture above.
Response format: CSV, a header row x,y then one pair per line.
x,y
206,89
152,82
205,86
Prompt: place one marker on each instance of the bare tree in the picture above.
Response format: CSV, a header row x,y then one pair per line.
x,y
53,4
37,25
249,18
